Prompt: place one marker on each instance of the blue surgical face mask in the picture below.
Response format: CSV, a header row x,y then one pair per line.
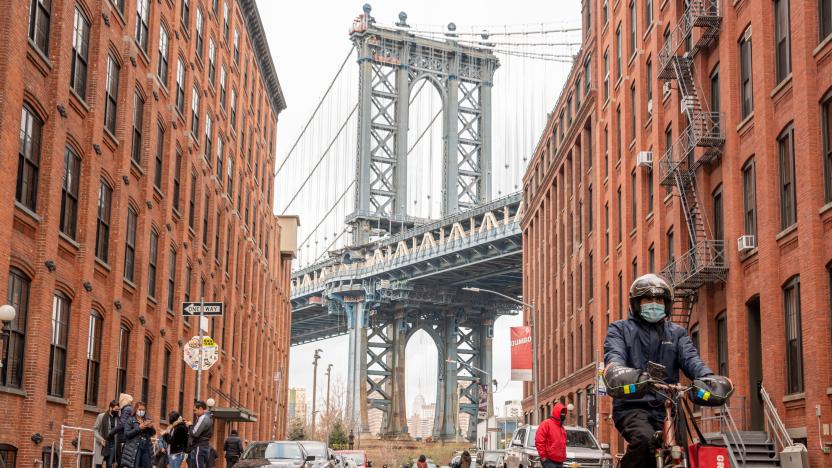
x,y
652,313
140,413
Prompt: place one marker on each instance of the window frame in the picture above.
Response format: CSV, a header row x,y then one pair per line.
x,y
153,263
70,188
29,152
94,335
13,349
137,147
142,35
171,279
122,359
59,345
79,66
746,73
749,175
722,339
130,244
787,177
782,40
102,233
163,66
793,327
40,24
113,72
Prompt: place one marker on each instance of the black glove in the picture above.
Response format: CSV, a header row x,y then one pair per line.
x,y
711,390
625,382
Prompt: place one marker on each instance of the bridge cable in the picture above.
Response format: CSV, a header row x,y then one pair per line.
x,y
317,164
424,132
324,218
326,250
317,108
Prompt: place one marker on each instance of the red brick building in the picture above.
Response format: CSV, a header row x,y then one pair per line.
x,y
733,206
138,165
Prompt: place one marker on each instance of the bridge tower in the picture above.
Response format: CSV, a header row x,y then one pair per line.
x,y
391,62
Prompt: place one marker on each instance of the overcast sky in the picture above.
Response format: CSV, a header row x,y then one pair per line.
x,y
309,39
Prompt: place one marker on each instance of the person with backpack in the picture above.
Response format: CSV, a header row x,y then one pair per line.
x,y
233,448
550,439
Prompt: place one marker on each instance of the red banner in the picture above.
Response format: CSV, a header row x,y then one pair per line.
x,y
521,353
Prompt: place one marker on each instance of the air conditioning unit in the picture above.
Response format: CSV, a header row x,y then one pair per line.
x,y
645,159
650,106
746,243
666,87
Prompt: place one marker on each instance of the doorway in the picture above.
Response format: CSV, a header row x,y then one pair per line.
x,y
755,365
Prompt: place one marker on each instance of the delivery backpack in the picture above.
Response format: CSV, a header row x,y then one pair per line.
x,y
700,453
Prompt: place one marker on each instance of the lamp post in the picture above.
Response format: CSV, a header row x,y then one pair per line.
x,y
327,412
533,309
315,359
7,314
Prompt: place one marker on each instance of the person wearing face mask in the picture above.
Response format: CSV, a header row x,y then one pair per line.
x,y
648,336
550,439
104,450
138,445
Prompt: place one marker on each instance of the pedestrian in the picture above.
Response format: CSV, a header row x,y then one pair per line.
x,y
125,412
176,437
138,446
464,461
103,452
200,437
351,439
550,439
422,462
233,448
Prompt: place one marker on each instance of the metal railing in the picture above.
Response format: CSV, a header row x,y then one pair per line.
x,y
774,425
77,442
703,263
697,11
721,420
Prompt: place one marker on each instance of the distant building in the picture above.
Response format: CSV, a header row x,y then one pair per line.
x,y
297,403
428,413
512,409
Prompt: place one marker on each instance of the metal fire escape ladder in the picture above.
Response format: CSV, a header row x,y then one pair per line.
x,y
704,262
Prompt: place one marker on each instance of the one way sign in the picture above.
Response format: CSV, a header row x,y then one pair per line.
x,y
192,309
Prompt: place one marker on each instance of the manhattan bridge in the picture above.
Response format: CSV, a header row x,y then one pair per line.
x,y
385,267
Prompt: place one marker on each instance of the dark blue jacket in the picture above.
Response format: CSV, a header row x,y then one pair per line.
x,y
634,342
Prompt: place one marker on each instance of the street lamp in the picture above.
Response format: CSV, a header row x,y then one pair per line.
x,y
7,314
315,359
328,415
534,338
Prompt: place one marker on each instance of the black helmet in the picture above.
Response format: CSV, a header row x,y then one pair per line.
x,y
650,285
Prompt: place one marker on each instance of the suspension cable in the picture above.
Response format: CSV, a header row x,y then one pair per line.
x,y
317,108
419,138
326,250
325,216
317,164
488,33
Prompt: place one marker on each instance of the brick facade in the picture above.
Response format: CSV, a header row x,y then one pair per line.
x,y
242,265
560,191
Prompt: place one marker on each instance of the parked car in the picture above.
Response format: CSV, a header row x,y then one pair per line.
x,y
359,457
280,454
323,456
581,448
491,459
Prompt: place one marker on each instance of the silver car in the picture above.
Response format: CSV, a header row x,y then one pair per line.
x,y
582,450
276,454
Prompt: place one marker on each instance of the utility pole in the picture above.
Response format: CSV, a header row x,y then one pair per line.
x,y
328,414
315,359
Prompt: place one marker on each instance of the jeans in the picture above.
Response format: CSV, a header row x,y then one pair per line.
x,y
198,458
175,459
552,464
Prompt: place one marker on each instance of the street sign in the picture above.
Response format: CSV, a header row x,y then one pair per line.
x,y
192,309
201,357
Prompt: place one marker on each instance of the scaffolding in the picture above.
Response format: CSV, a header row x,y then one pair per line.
x,y
700,143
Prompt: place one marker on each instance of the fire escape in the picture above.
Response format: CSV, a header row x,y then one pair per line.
x,y
700,143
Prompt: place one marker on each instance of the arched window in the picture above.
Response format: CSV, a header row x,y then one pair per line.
x,y
8,455
28,160
93,358
58,348
11,374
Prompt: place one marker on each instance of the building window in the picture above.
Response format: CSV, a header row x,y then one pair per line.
x,y
148,347
162,69
188,274
825,19
719,224
186,13
606,11
225,20
80,54
788,200
648,83
102,232
220,149
28,158
123,356
620,295
749,187
208,137
223,92
160,149
130,245
171,279
163,405
715,104
722,344
633,105
200,30
606,74
606,152
694,336
782,40
648,12
181,405
111,92
212,61
93,358
192,202
794,337
217,239
138,125
651,259
205,221
619,203
618,133
69,193
39,22
633,27
236,46
180,86
58,346
152,262
195,113
142,23
606,229
590,210
826,110
14,344
119,4
618,51
746,92
177,174
587,75
590,285
650,194
230,176
8,456
227,253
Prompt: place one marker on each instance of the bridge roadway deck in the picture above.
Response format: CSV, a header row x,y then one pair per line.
x,y
429,264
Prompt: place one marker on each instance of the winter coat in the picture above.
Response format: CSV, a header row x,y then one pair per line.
x,y
201,436
550,439
233,447
634,342
135,439
177,437
99,450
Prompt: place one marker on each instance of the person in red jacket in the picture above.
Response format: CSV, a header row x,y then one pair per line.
x,y
550,439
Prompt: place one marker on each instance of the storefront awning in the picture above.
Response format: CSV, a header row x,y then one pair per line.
x,y
234,414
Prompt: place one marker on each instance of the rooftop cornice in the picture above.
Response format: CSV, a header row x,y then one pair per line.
x,y
262,53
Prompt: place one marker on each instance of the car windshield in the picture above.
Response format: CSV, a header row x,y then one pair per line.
x,y
491,456
262,450
358,458
580,439
316,449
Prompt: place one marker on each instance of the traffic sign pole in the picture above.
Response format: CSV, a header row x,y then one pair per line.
x,y
201,350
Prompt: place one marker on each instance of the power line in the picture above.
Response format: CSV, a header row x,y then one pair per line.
x,y
452,34
317,164
317,108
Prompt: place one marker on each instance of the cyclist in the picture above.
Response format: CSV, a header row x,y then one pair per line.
x,y
648,336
